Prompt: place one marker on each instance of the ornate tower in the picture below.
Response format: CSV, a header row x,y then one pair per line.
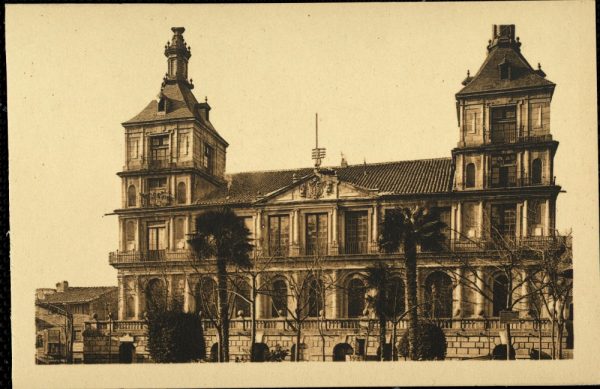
x,y
505,150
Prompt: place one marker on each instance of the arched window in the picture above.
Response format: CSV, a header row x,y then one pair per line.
x,y
470,176
315,297
279,299
438,295
396,297
131,196
536,172
241,306
500,294
181,193
205,297
156,296
356,297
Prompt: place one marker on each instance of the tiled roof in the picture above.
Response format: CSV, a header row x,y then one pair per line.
x,y
78,294
181,105
425,176
488,76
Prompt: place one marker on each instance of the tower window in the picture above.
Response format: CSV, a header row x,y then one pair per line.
x,y
208,160
536,172
131,196
181,193
159,148
504,124
470,176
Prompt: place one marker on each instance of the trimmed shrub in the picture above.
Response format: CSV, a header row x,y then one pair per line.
x,y
175,337
431,343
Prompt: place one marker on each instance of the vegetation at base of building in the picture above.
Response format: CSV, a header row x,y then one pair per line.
x,y
222,235
430,343
278,354
175,337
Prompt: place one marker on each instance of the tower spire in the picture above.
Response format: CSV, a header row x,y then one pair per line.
x,y
178,53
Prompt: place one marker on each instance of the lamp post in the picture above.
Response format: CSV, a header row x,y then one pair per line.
x,y
110,337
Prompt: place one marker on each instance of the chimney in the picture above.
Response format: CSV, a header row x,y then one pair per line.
x,y
343,163
204,109
62,286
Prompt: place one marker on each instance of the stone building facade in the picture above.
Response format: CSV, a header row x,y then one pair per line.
x,y
499,179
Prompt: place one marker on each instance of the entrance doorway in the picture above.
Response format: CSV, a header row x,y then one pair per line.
x,y
126,351
341,350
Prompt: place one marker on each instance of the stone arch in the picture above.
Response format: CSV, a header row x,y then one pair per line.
x,y
499,352
205,297
499,293
341,350
126,352
155,295
470,175
355,297
131,196
214,353
315,296
181,193
278,297
438,295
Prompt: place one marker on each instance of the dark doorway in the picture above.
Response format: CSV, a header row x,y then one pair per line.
x,y
341,350
500,352
260,352
387,352
126,351
214,353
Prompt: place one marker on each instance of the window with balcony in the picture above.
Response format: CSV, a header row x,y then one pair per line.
x,y
504,171
208,159
504,124
130,235
356,232
316,234
504,221
156,243
470,175
159,151
279,235
535,217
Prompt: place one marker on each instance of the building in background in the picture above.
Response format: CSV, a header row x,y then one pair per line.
x,y
60,315
499,179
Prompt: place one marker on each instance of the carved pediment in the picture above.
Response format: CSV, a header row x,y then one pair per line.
x,y
319,187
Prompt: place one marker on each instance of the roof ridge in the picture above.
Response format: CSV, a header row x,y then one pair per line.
x,y
340,167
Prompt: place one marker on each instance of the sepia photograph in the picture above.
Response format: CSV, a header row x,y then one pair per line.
x,y
407,188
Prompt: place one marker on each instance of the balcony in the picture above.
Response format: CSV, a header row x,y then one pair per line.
x,y
522,182
314,249
511,135
278,250
120,257
354,247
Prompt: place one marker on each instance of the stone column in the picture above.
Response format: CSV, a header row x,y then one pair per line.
x,y
186,296
292,303
526,164
258,227
122,301
332,298
261,301
479,297
137,298
525,301
171,231
458,294
375,229
547,231
480,225
296,228
525,218
453,222
291,234
334,230
459,219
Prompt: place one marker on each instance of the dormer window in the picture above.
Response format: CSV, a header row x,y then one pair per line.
x,y
504,69
163,105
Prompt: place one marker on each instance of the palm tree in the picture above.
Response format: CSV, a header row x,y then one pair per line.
x,y
378,282
222,235
407,228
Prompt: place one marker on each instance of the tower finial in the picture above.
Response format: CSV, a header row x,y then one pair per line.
x,y
317,153
178,54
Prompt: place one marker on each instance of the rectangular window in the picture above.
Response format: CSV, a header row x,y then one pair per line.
x,y
472,120
469,220
504,124
159,147
155,184
504,171
356,232
504,221
279,235
316,234
208,158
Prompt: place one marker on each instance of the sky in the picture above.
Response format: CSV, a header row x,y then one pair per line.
x,y
381,76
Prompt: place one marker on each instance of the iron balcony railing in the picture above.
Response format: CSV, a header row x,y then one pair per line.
x,y
279,250
355,247
118,257
513,135
315,249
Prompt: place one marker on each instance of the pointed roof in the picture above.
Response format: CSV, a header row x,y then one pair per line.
x,y
418,177
504,50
